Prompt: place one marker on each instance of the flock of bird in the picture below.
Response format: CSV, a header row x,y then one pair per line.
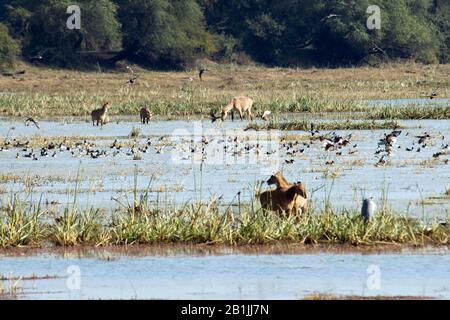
x,y
239,145
83,149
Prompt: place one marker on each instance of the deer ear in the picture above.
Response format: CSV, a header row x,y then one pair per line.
x,y
303,190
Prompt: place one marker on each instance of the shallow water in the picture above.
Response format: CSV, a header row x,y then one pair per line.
x,y
231,276
178,175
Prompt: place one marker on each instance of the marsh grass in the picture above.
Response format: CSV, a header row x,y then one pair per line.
x,y
305,125
21,225
137,156
50,92
208,224
135,132
413,113
74,227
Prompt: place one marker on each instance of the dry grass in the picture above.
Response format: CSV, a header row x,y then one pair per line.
x,y
48,92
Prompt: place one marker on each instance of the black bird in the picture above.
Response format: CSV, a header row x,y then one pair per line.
x,y
438,154
29,119
313,131
131,81
201,72
432,95
423,138
213,116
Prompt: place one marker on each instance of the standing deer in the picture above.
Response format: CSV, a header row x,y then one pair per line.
x,y
282,200
99,115
301,199
239,104
145,115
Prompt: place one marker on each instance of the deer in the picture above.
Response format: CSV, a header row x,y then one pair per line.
x,y
300,201
99,115
145,114
281,200
239,104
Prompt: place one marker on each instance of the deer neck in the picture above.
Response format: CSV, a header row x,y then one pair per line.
x,y
282,182
228,107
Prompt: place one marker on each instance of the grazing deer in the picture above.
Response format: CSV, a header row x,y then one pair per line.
x,y
281,200
239,104
300,201
145,115
99,115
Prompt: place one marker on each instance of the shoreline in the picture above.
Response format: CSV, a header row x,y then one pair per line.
x,y
202,250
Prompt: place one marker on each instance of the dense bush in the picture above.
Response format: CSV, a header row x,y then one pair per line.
x,y
174,33
8,48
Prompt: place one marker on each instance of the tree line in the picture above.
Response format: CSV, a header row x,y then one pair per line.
x,y
172,34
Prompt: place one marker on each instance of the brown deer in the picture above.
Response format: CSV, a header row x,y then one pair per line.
x,y
99,115
239,104
300,201
145,115
281,200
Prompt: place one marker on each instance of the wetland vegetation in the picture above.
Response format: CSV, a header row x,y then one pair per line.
x,y
25,225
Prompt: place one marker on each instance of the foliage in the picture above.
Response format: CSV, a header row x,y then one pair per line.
x,y
8,48
175,33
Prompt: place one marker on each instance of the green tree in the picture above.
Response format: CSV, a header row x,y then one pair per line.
x,y
8,48
277,32
47,31
164,33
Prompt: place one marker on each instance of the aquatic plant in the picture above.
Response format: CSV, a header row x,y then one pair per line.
x,y
21,225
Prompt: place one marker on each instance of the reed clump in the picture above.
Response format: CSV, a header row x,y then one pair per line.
x,y
21,225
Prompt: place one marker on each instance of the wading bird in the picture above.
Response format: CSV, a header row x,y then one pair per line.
x,y
368,209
